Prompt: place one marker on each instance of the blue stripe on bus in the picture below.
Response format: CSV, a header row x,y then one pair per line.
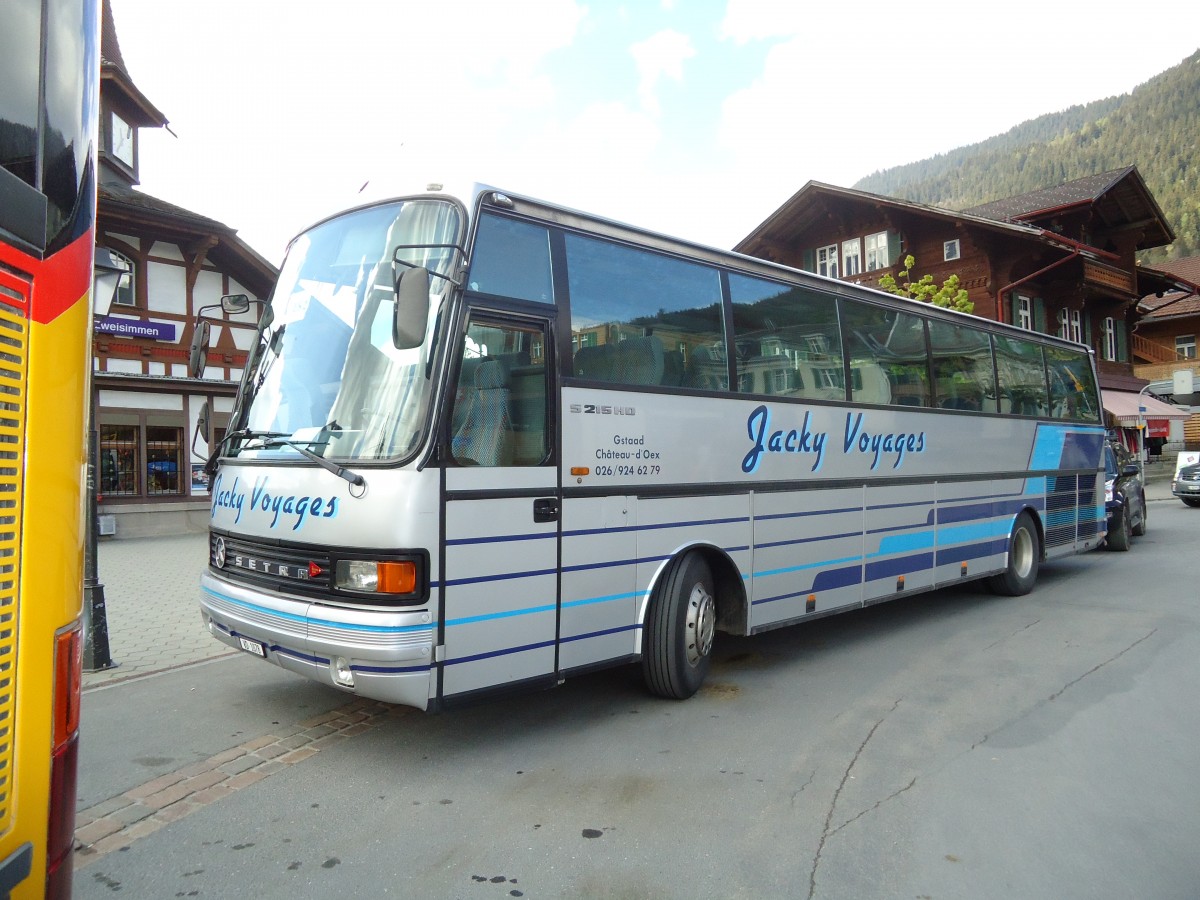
x,y
506,614
492,654
587,532
392,670
767,573
950,555
901,565
637,626
310,620
631,595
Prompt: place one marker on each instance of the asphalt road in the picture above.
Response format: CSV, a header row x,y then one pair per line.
x,y
955,744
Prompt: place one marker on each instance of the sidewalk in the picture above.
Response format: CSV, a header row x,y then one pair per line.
x,y
152,602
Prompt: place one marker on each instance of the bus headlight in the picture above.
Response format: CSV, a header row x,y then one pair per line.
x,y
369,576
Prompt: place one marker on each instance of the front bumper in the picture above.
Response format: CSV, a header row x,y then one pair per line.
x,y
383,655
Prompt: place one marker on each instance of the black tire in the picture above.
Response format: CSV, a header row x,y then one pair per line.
x,y
1120,537
1139,529
1191,501
680,625
1024,558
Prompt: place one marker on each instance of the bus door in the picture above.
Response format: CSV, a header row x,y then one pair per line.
x,y
501,509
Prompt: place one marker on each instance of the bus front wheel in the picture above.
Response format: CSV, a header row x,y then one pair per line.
x,y
680,626
1024,556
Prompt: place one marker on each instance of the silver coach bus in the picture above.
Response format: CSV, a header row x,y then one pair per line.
x,y
486,442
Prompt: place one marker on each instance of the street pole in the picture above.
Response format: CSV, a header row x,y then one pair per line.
x,y
106,277
96,655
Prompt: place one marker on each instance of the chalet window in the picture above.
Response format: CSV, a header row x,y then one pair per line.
x,y
1185,346
951,250
851,257
1024,313
126,295
1110,339
1070,325
877,251
827,261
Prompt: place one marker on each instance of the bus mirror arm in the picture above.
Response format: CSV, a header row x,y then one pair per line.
x,y
412,308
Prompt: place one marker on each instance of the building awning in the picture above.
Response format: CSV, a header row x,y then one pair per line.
x,y
1129,409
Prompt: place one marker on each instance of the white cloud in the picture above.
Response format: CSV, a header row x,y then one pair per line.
x,y
660,56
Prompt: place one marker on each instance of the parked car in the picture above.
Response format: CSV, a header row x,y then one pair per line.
x,y
1186,483
1124,498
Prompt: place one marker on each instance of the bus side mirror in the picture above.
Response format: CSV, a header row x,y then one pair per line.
x,y
203,430
234,304
198,352
412,308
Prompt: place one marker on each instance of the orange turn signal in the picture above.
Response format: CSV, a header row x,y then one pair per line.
x,y
397,577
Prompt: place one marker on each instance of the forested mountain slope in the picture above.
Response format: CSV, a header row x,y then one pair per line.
x,y
1155,127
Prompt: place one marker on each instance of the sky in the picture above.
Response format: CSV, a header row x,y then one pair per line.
x,y
697,118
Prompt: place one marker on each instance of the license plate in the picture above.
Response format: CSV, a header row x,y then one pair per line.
x,y
1191,488
254,647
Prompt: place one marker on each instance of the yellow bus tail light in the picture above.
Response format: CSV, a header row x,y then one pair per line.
x,y
64,762
68,677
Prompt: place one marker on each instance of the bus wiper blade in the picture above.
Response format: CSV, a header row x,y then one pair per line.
x,y
276,440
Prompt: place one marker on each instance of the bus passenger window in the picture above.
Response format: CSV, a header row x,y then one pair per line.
x,y
888,348
1072,387
962,367
1022,377
512,259
787,339
643,318
499,416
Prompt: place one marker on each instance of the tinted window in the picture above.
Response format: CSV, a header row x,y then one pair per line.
x,y
787,340
963,377
639,317
888,361
1022,377
512,259
1072,388
20,67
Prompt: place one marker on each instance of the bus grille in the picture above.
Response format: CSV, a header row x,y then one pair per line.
x,y
13,374
273,565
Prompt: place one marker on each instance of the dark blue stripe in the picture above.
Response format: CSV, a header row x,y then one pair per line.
x,y
491,654
971,551
901,565
606,631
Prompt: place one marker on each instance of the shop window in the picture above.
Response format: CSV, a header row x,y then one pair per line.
x,y
120,460
163,460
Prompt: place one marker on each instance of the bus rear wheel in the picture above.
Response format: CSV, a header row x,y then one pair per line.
x,y
1024,557
680,626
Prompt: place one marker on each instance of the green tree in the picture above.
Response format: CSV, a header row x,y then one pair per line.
x,y
949,295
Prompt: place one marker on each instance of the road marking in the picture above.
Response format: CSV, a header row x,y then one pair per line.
x,y
116,823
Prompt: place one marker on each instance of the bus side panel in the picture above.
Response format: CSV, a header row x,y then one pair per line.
x,y
500,594
974,521
49,568
668,525
600,602
807,549
898,539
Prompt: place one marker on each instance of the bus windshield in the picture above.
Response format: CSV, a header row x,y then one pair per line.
x,y
326,373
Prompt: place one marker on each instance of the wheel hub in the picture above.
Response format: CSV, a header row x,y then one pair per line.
x,y
701,624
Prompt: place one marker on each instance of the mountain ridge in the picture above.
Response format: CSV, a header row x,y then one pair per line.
x,y
1155,126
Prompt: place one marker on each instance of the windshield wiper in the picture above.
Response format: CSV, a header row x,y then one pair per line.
x,y
280,439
